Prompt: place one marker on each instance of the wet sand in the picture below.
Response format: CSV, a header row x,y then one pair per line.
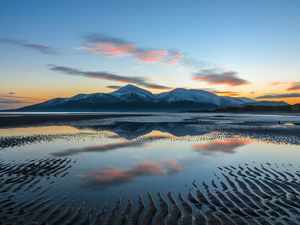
x,y
243,194
269,132
21,120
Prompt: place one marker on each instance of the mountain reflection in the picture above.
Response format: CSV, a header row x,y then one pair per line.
x,y
132,130
224,146
116,176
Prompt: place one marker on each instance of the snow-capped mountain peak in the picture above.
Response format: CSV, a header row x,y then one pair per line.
x,y
129,88
131,92
192,95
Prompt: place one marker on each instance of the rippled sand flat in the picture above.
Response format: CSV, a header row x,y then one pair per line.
x,y
152,169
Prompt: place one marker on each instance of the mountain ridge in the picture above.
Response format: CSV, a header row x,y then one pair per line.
x,y
132,98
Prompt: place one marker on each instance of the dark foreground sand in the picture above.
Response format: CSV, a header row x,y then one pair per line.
x,y
260,194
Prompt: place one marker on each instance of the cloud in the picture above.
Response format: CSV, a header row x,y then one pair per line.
x,y
11,95
151,55
154,86
113,47
213,77
115,87
270,96
11,101
23,44
116,176
278,83
294,86
106,76
221,93
227,93
98,74
174,58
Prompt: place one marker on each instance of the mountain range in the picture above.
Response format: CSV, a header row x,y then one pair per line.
x,y
130,98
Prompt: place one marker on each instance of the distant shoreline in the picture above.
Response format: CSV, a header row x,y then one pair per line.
x,y
28,119
11,120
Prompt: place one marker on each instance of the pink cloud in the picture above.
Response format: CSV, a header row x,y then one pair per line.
x,y
278,83
109,48
175,58
116,48
152,56
294,86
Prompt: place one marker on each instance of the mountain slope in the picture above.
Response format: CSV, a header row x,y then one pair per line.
x,y
132,93
132,98
192,95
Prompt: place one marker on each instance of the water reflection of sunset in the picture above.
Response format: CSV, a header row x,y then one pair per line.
x,y
40,130
225,146
159,134
112,175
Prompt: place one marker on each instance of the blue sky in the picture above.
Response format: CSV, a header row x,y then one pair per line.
x,y
193,44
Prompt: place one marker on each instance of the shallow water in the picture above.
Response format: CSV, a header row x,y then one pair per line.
x,y
126,157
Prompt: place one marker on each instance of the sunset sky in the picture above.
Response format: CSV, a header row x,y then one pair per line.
x,y
61,48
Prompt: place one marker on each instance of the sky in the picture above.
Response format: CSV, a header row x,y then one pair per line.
x,y
60,48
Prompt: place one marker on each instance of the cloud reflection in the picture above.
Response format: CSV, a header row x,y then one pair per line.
x,y
98,148
224,146
132,130
116,176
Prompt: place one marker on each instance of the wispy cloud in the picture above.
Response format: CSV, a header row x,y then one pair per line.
x,y
114,87
225,93
11,95
113,47
98,74
294,86
106,76
154,86
270,96
213,77
174,58
11,101
33,46
278,83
